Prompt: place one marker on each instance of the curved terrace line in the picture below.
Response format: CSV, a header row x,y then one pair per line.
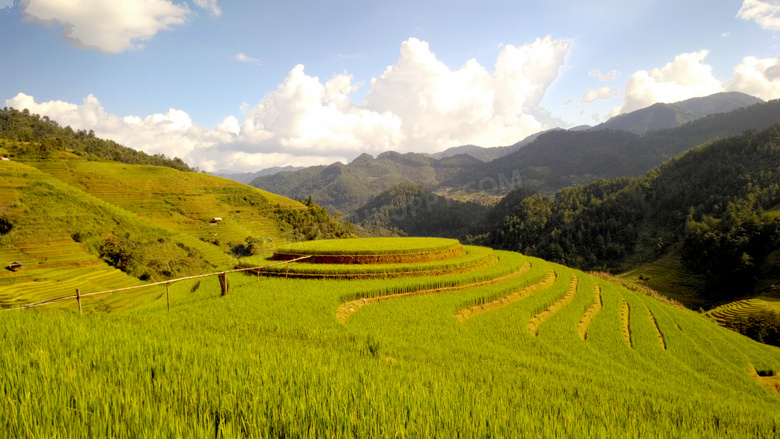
x,y
467,313
537,320
657,329
347,309
590,314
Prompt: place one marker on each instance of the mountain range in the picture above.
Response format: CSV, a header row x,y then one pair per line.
x,y
550,161
658,116
247,177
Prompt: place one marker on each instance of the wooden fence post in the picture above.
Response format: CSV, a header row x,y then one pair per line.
x,y
78,299
168,296
223,282
287,270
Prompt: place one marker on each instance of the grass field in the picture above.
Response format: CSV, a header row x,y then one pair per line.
x,y
272,359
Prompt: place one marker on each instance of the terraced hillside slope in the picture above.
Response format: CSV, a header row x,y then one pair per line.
x,y
512,347
95,225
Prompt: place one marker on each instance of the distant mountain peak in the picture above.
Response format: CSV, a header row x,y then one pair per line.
x,y
661,116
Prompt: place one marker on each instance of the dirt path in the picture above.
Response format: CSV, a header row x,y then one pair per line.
x,y
347,309
471,311
590,314
537,320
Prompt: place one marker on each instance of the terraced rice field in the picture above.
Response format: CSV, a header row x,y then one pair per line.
x,y
729,311
374,251
519,347
52,270
63,210
182,201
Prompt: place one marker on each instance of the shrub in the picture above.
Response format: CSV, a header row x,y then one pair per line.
x,y
762,326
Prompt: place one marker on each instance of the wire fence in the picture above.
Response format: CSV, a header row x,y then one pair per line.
x,y
222,275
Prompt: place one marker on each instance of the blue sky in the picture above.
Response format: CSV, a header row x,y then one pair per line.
x,y
244,85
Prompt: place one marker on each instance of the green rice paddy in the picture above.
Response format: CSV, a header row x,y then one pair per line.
x,y
272,359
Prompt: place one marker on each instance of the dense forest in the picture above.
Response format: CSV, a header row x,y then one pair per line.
x,y
314,222
716,205
410,209
34,137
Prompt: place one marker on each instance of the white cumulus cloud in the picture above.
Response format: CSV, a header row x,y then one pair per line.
x,y
304,116
599,93
440,107
757,77
110,26
766,13
684,78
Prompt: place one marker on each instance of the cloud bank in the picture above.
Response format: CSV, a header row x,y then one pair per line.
x,y
419,104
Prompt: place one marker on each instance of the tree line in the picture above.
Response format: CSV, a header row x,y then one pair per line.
x,y
34,137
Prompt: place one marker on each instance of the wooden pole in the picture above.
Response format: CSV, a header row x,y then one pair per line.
x,y
286,270
223,282
168,296
78,299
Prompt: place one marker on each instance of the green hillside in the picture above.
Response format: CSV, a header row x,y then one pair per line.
x,y
34,136
97,225
517,347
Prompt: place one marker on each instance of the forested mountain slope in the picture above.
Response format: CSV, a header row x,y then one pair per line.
x,y
559,159
712,206
345,188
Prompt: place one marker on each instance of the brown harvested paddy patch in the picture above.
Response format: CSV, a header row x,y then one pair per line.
x,y
465,314
772,381
624,318
537,320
